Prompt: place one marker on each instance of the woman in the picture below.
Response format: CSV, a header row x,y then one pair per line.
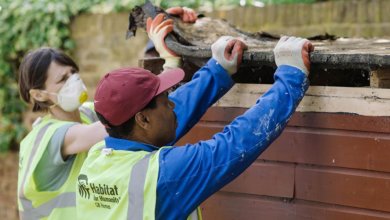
x,y
52,153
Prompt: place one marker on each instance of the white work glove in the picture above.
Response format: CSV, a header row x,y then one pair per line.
x,y
157,30
187,15
227,51
293,51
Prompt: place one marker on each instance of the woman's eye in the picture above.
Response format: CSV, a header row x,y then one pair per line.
x,y
61,80
65,78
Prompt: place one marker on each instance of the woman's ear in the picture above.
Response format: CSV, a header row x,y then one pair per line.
x,y
142,120
38,95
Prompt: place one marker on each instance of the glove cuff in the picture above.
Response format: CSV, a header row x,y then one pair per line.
x,y
229,66
171,62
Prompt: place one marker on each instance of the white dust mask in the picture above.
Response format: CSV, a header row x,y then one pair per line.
x,y
72,94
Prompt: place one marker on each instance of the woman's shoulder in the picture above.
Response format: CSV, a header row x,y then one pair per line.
x,y
88,111
43,126
88,104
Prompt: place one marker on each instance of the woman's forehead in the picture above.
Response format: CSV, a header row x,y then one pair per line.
x,y
57,70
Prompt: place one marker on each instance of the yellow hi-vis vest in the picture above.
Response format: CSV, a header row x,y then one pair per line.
x,y
59,204
117,184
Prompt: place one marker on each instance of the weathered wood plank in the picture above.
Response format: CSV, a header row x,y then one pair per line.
x,y
361,189
201,131
337,121
362,101
357,150
153,64
335,148
265,178
343,53
229,206
380,78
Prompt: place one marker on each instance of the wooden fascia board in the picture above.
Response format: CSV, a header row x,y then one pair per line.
x,y
353,100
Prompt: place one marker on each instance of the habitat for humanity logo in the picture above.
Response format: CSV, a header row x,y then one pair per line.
x,y
83,186
103,195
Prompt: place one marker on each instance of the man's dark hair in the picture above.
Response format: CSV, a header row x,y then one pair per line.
x,y
33,72
123,130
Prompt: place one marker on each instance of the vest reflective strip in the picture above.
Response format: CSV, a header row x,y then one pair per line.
x,y
194,215
136,188
32,154
22,197
136,191
89,113
61,201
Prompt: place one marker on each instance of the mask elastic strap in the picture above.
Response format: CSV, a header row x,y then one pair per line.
x,y
52,106
51,93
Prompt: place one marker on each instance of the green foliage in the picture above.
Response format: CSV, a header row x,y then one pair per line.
x,y
27,25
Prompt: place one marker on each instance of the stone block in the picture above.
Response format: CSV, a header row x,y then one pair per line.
x,y
89,68
373,11
385,11
86,25
339,11
271,14
254,17
240,16
351,12
316,14
362,13
97,55
303,15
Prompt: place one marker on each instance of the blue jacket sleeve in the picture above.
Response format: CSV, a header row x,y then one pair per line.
x,y
193,99
190,174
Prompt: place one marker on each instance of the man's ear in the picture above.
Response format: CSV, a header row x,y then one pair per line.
x,y
142,120
38,95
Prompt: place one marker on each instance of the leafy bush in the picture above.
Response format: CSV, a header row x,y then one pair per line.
x,y
27,25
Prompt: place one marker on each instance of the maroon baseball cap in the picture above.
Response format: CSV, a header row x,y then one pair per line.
x,y
122,93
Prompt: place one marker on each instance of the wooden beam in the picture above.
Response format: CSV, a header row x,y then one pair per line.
x,y
354,100
380,78
194,41
297,145
265,178
232,206
153,64
354,188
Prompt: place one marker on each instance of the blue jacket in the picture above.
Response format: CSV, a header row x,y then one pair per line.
x,y
190,174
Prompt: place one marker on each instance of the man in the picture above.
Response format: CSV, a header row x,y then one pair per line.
x,y
131,175
51,155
